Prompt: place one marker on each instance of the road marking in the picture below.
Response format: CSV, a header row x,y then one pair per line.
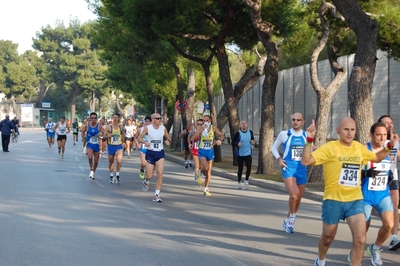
x,y
140,209
81,168
220,252
98,183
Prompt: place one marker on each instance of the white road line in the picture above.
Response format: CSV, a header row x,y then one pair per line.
x,y
81,168
231,260
140,209
98,183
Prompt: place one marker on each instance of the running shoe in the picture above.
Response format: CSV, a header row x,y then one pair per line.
x,y
145,185
349,257
316,263
207,193
111,179
375,256
186,165
190,164
239,185
394,244
287,228
62,156
59,152
118,181
246,184
141,174
199,181
156,198
91,175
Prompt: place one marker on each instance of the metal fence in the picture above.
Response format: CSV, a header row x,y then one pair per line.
x,y
294,93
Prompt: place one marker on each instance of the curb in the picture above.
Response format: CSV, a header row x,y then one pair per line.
x,y
277,186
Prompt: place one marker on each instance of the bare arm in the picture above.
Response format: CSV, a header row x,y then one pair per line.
x,y
307,158
167,138
140,138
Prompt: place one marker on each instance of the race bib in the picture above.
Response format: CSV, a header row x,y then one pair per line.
x,y
115,139
349,175
94,140
75,130
155,145
378,183
207,144
62,130
297,152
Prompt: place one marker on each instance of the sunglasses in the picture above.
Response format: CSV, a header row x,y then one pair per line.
x,y
199,124
157,118
296,119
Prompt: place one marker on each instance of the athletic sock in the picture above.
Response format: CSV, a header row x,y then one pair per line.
x,y
157,192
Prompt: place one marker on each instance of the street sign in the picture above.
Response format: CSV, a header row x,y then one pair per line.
x,y
178,105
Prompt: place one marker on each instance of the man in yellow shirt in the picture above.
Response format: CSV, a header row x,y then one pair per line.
x,y
343,199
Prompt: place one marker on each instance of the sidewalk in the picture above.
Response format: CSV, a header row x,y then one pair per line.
x,y
254,181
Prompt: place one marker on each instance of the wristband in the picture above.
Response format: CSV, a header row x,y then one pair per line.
x,y
389,145
310,140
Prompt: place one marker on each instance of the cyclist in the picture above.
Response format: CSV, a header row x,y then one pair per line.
x,y
15,121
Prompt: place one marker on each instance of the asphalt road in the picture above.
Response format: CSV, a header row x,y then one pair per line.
x,y
53,214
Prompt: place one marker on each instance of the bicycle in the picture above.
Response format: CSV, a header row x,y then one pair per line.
x,y
14,136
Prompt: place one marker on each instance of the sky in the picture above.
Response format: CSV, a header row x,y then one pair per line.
x,y
21,19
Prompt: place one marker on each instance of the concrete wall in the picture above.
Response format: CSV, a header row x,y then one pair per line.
x,y
294,93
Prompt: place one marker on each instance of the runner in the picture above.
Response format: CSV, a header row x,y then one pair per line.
x,y
206,134
375,189
84,124
92,131
294,174
62,130
343,199
394,184
243,140
184,135
75,130
194,149
50,132
143,148
156,133
130,131
103,145
115,147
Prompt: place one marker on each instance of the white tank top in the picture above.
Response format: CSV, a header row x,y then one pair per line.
x,y
62,128
155,137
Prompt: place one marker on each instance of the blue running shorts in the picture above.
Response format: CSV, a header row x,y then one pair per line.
x,y
333,211
208,154
385,205
296,170
154,156
94,147
113,149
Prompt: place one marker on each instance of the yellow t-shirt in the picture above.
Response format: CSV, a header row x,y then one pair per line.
x,y
342,169
116,138
206,139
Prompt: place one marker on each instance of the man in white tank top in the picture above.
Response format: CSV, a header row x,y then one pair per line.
x,y
155,152
61,129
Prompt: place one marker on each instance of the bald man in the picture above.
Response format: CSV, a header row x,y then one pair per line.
x,y
343,199
294,174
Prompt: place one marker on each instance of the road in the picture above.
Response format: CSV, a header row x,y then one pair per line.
x,y
53,214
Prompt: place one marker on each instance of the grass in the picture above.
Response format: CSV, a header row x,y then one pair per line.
x,y
227,165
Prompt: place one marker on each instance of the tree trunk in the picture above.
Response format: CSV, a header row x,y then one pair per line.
x,y
324,95
265,30
190,92
180,98
363,71
74,96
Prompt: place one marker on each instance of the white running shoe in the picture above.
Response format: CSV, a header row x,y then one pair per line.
x,y
246,184
91,175
239,185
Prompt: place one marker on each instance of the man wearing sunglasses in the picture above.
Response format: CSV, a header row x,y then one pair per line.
x,y
155,155
294,174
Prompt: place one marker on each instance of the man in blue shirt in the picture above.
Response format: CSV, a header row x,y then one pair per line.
x,y
243,140
6,125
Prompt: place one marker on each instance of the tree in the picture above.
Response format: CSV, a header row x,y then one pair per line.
x,y
73,59
363,71
325,95
18,75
